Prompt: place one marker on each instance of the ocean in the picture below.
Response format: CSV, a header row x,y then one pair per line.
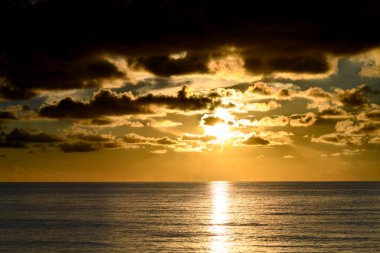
x,y
190,217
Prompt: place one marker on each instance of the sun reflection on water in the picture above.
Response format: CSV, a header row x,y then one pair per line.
x,y
219,217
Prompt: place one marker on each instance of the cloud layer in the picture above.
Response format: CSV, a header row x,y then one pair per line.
x,y
67,53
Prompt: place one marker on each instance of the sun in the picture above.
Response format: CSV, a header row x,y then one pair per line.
x,y
221,130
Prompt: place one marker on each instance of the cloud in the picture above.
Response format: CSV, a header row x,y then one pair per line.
x,y
370,62
133,138
20,138
374,140
304,120
148,85
80,147
211,120
90,137
334,139
351,127
16,112
7,115
5,144
81,140
345,152
108,103
319,98
164,123
295,120
372,115
353,97
109,122
104,102
350,132
55,72
288,157
72,53
262,106
265,138
183,144
334,113
261,89
69,140
254,140
317,92
264,90
159,151
265,122
19,135
189,148
164,65
197,137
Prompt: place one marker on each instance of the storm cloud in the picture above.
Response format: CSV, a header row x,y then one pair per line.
x,y
106,102
59,44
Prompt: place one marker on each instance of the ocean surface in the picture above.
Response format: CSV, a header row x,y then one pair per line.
x,y
190,217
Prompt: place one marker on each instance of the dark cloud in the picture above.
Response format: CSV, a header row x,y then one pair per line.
x,y
255,140
133,138
83,146
298,63
148,84
20,138
101,122
18,135
31,72
317,92
354,97
165,66
60,44
106,102
305,120
372,115
79,147
7,115
166,141
347,76
267,138
71,142
87,142
12,145
261,89
89,137
183,101
333,112
211,120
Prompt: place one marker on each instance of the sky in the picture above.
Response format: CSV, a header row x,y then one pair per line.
x,y
126,90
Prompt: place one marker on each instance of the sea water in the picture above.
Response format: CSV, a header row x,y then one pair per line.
x,y
190,217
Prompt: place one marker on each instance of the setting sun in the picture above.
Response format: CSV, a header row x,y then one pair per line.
x,y
220,125
220,131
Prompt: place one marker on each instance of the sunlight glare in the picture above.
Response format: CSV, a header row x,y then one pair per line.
x,y
219,217
221,130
